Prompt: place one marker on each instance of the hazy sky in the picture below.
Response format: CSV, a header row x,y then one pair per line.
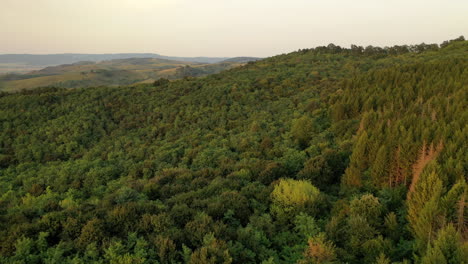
x,y
222,27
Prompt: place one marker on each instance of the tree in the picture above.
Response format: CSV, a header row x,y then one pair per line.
x,y
290,197
379,170
92,231
448,247
301,130
319,251
213,251
306,225
161,82
382,259
366,206
318,171
424,208
166,249
358,163
453,205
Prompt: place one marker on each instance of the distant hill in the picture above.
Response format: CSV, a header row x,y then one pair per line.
x,y
110,73
27,62
48,59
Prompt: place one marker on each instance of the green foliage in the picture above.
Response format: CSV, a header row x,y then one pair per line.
x,y
301,130
358,162
133,251
306,225
212,252
368,207
325,169
319,251
227,168
382,259
290,197
448,247
161,82
424,208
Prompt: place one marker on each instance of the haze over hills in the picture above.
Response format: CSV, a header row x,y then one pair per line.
x,y
114,72
323,155
69,58
23,63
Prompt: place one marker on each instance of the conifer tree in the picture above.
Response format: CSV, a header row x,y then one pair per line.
x,y
358,163
424,208
379,170
449,248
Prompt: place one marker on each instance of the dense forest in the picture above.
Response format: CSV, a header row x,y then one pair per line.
x,y
323,155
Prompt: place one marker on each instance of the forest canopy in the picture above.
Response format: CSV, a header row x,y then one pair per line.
x,y
324,155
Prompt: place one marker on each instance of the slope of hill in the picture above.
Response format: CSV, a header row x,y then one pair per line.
x,y
241,59
324,155
112,72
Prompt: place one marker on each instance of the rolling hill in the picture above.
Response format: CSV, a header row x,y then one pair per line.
x,y
22,63
112,72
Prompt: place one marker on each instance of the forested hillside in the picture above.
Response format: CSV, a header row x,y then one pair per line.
x,y
324,155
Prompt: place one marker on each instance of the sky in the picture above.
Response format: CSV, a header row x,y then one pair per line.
x,y
222,28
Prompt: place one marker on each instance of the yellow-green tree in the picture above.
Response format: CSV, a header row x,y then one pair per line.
x,y
290,197
424,208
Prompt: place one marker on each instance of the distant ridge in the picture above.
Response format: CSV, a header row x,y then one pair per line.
x,y
69,58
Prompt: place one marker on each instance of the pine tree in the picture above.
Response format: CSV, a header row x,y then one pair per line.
x,y
447,248
396,172
382,259
379,170
424,208
358,163
426,155
453,205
